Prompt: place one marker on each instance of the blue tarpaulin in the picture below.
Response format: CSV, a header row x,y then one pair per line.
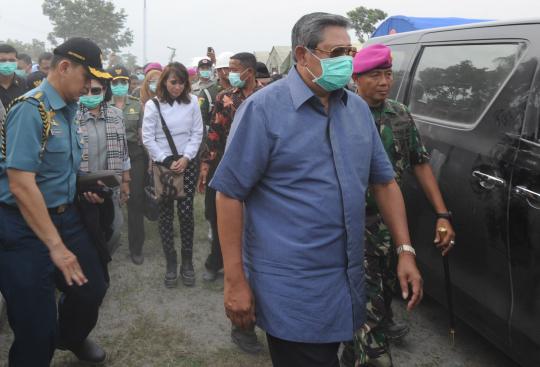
x,y
400,23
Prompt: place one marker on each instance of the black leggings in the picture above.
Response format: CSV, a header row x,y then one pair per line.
x,y
185,215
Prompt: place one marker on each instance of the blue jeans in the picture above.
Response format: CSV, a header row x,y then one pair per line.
x,y
28,279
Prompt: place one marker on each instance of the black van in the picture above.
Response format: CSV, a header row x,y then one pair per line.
x,y
474,92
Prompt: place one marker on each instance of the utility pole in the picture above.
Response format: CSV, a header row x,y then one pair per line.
x,y
145,59
173,53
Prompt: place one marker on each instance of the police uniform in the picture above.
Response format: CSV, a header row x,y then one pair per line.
x,y
16,89
40,136
207,98
139,165
35,79
200,85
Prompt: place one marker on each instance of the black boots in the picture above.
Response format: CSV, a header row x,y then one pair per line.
x,y
88,352
171,276
186,270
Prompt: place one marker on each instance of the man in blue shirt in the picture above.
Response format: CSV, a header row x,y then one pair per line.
x,y
43,243
291,203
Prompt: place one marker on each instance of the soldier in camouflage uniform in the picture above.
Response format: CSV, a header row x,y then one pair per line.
x,y
402,142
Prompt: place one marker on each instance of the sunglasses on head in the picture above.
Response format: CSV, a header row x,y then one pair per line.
x,y
95,91
119,81
339,51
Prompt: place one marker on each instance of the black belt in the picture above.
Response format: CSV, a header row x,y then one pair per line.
x,y
61,209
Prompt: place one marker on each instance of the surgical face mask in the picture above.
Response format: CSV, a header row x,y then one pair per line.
x,y
91,101
235,80
206,74
336,72
20,73
152,86
8,67
140,77
120,90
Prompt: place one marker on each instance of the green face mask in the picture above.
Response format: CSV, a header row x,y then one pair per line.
x,y
336,72
20,73
8,67
120,90
91,102
207,74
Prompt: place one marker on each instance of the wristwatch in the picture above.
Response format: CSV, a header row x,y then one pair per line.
x,y
405,248
447,216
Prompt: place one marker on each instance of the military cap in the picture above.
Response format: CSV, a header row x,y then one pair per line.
x,y
119,72
372,57
205,62
85,52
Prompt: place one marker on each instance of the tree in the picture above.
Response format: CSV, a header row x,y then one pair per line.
x,y
95,19
127,59
364,20
34,49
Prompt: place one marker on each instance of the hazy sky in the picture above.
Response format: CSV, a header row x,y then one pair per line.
x,y
242,25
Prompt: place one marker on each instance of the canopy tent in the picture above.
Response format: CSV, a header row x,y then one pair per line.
x,y
400,23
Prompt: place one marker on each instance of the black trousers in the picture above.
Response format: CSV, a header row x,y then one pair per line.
x,y
28,279
139,166
214,261
293,354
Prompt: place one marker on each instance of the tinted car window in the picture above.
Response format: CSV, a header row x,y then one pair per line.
x,y
401,54
456,83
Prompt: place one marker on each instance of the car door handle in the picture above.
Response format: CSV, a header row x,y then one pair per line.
x,y
488,181
526,193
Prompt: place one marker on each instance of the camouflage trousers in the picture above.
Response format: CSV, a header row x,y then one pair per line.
x,y
370,346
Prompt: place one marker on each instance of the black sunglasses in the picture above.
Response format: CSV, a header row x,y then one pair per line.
x,y
95,91
339,51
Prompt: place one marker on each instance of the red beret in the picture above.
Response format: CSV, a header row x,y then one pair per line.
x,y
372,57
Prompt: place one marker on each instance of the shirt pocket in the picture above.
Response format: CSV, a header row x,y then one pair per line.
x,y
56,154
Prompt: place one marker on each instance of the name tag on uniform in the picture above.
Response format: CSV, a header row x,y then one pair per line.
x,y
56,131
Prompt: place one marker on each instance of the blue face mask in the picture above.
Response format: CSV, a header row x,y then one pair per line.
x,y
234,79
8,67
336,72
153,87
91,102
206,74
120,90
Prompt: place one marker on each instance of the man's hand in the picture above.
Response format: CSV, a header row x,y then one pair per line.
x,y
444,239
239,303
124,193
408,274
93,198
203,175
67,262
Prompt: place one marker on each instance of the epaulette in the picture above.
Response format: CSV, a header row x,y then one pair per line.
x,y
37,100
134,98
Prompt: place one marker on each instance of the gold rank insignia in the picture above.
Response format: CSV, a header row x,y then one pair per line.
x,y
131,110
38,95
51,115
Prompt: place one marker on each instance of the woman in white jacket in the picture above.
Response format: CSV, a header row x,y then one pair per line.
x,y
182,114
